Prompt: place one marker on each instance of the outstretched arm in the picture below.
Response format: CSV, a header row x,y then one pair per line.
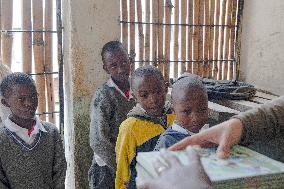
x,y
262,123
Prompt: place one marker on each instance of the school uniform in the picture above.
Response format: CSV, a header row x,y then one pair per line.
x,y
31,158
138,133
109,108
174,134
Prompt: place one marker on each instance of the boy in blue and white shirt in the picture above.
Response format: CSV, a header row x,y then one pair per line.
x,y
190,105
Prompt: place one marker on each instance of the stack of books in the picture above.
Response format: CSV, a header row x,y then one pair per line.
x,y
244,168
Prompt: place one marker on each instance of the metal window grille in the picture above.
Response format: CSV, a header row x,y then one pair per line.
x,y
35,44
196,36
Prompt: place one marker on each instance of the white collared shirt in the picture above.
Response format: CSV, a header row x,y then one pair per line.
x,y
178,128
111,83
23,132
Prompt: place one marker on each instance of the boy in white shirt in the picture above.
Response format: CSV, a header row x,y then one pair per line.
x,y
190,105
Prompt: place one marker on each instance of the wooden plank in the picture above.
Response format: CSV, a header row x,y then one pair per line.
x,y
176,39
147,33
217,29
221,45
195,36
200,36
183,35
132,32
48,59
239,105
38,47
189,39
238,38
227,39
233,39
155,19
7,38
168,8
124,16
211,37
140,32
206,39
27,37
220,113
161,36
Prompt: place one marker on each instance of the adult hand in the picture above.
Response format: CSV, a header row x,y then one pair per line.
x,y
178,176
224,135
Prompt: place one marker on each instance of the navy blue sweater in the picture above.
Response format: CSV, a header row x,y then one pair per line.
x,y
169,138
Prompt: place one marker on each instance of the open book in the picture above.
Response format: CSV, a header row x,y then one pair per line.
x,y
243,169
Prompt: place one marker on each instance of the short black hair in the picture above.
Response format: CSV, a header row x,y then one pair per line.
x,y
111,47
15,79
187,82
145,70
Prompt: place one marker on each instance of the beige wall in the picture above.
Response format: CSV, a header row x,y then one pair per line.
x,y
262,46
88,25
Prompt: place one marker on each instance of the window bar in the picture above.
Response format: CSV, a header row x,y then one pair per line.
x,y
60,65
176,37
183,35
211,39
227,35
26,36
233,39
181,24
216,45
238,39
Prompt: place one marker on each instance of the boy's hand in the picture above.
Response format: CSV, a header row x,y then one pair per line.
x,y
178,176
126,184
224,135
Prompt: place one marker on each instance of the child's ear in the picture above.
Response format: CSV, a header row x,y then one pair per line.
x,y
134,97
167,84
4,102
172,109
166,87
105,68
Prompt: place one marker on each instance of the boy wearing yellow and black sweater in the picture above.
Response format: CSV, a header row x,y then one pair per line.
x,y
145,122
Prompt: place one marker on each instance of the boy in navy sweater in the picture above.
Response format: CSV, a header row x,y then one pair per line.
x,y
190,105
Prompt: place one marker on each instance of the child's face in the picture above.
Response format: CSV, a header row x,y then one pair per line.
x,y
191,110
117,65
150,93
22,101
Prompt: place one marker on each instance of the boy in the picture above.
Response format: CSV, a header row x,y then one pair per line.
x,y
145,122
109,107
31,151
190,105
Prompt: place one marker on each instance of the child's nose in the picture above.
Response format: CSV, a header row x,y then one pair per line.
x,y
194,117
121,69
153,99
28,102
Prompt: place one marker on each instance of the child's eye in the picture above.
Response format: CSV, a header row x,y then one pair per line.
x,y
158,91
34,97
202,110
20,99
187,111
143,95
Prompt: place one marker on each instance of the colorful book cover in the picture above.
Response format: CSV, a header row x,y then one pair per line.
x,y
242,163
